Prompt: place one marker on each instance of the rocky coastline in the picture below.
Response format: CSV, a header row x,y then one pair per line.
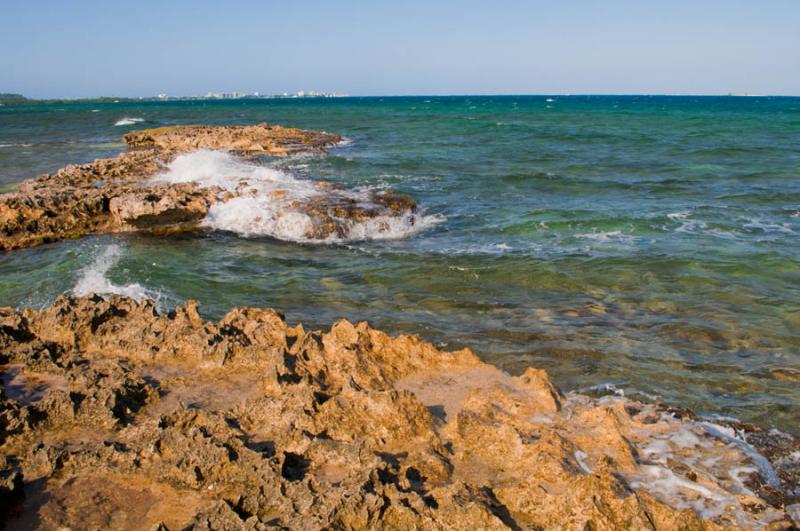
x,y
115,416
124,194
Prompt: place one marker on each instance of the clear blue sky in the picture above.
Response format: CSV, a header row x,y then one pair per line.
x,y
92,48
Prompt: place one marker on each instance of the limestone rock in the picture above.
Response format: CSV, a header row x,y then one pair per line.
x,y
117,194
250,140
116,416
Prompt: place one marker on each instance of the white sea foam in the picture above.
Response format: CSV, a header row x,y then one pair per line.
x,y
267,198
609,388
344,142
678,492
612,390
689,446
766,226
607,236
729,435
389,227
478,249
686,224
14,145
689,225
93,278
678,215
128,121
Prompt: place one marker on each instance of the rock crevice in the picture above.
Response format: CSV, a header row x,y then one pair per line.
x,y
116,416
120,195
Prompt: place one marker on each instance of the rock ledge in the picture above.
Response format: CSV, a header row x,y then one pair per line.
x,y
118,195
114,416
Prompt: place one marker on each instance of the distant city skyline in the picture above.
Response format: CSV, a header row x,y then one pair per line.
x,y
89,48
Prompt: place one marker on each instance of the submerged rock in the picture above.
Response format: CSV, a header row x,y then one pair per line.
x,y
116,416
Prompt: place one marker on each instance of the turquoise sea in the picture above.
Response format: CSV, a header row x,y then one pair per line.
x,y
640,245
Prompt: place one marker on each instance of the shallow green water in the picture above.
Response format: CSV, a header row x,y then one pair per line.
x,y
648,243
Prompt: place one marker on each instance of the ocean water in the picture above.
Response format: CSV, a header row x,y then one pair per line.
x,y
640,245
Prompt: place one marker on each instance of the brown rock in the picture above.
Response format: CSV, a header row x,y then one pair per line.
x,y
114,414
248,140
116,195
160,206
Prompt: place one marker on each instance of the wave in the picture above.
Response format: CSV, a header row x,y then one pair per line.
x,y
274,203
93,278
686,224
611,389
607,236
766,226
128,121
344,142
15,145
495,249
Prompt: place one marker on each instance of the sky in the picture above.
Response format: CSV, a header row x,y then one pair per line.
x,y
93,48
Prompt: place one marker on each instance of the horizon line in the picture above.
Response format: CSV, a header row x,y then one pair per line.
x,y
420,95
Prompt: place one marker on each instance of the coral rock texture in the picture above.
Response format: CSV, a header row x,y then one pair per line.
x,y
121,194
116,416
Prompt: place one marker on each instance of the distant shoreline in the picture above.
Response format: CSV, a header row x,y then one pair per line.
x,y
19,100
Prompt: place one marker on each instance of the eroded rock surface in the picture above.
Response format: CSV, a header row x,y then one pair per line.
x,y
121,194
114,416
248,139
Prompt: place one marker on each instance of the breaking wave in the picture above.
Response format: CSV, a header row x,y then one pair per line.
x,y
93,278
270,202
607,236
127,121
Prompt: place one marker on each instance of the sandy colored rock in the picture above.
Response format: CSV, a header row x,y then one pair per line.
x,y
118,194
247,139
116,416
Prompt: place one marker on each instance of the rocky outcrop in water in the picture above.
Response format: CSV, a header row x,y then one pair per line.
x,y
120,194
245,140
114,416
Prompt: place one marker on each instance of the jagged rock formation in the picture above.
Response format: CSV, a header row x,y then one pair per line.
x,y
246,140
114,416
119,194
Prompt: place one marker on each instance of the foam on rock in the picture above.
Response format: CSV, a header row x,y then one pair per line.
x,y
114,415
117,195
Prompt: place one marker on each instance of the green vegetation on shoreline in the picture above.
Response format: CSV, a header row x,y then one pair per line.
x,y
19,99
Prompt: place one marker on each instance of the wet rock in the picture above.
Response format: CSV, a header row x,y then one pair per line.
x,y
162,206
118,195
113,414
334,215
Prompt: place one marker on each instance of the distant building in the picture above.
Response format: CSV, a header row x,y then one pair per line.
x,y
238,95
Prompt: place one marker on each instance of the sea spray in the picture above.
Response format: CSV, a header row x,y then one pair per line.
x,y
128,121
274,203
93,278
